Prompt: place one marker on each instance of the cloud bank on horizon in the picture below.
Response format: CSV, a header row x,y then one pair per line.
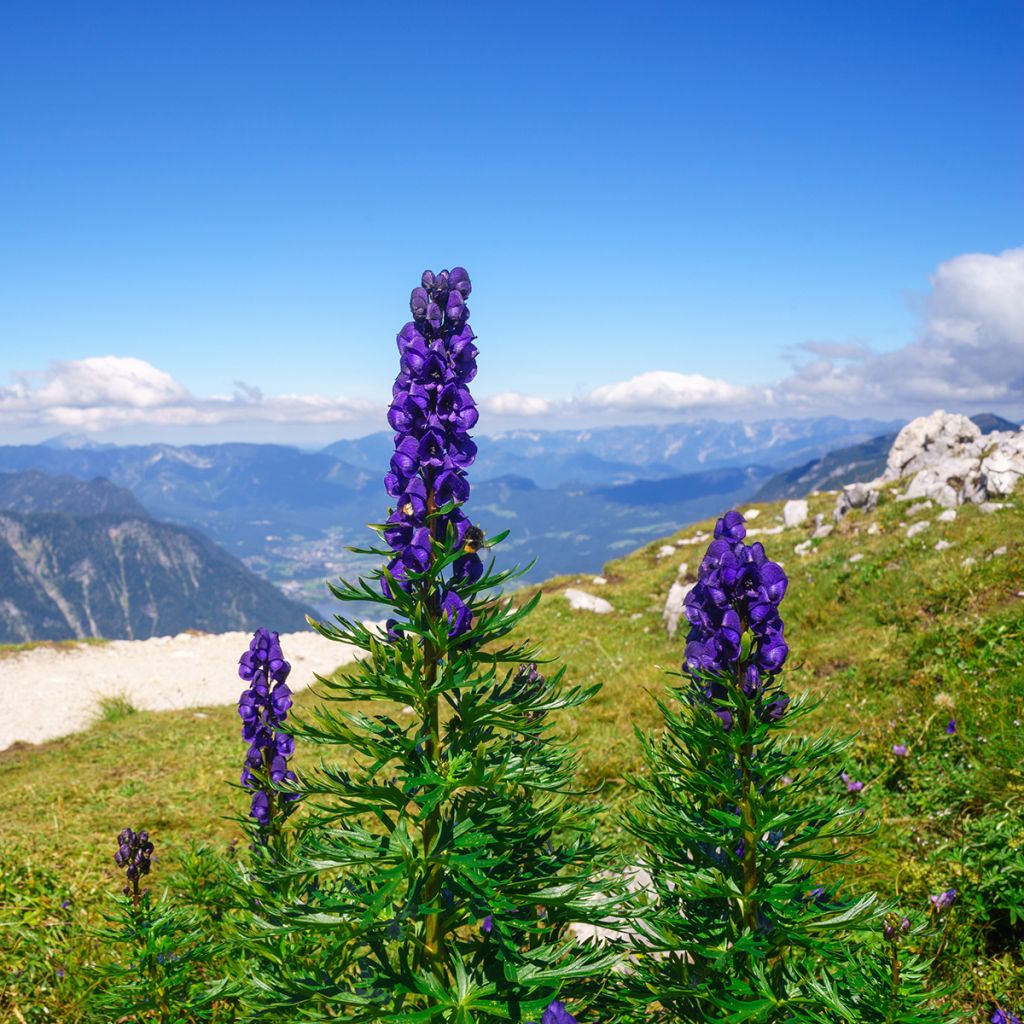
x,y
969,350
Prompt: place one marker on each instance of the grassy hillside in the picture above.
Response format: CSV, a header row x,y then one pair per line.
x,y
896,643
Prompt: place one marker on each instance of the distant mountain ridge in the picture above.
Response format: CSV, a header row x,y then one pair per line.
x,y
99,566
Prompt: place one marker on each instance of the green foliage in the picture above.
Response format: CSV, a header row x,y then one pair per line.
x,y
155,974
457,805
736,826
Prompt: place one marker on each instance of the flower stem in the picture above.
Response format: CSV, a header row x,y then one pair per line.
x,y
746,751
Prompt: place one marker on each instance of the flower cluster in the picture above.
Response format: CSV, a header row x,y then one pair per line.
x,y
893,926
432,412
262,708
852,785
738,589
134,854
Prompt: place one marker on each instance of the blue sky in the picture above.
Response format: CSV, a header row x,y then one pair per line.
x,y
681,193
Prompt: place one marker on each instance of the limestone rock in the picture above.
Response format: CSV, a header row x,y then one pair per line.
x,y
853,496
919,527
665,550
950,462
794,512
674,606
928,440
942,545
582,601
803,548
823,531
947,516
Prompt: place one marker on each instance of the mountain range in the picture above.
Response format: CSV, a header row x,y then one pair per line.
x,y
571,499
84,559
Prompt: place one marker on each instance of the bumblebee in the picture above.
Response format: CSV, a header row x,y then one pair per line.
x,y
474,540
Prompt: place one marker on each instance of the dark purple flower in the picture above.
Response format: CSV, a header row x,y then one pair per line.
x,y
134,854
487,924
431,412
951,728
262,710
1003,1017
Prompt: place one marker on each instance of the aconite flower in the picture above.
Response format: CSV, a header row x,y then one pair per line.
x,y
432,412
737,594
262,708
134,854
852,785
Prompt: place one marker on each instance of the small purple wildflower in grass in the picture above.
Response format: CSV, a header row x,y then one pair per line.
x,y
487,924
852,785
1001,1016
951,728
432,412
943,900
899,749
556,1013
262,709
64,904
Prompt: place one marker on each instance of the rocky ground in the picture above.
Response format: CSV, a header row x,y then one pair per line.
x,y
50,691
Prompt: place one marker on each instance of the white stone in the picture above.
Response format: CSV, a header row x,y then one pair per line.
x,y
823,531
921,506
584,602
803,548
998,553
968,561
991,506
684,568
919,527
665,550
873,530
674,606
794,512
599,581
942,545
926,441
947,515
857,557
751,513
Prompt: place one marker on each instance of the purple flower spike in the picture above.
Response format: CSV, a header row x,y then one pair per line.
x,y
432,412
738,591
262,710
943,900
556,1013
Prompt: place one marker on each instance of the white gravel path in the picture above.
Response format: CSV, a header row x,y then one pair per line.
x,y
46,692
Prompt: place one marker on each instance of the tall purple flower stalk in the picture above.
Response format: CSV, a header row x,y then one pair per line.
x,y
432,412
738,589
262,708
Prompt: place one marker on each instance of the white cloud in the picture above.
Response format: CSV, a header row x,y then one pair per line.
x,y
970,348
668,391
514,403
109,392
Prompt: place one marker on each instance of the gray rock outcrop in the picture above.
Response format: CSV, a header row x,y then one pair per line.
x,y
949,461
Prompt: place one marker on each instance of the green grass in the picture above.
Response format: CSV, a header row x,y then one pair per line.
x,y
114,708
894,645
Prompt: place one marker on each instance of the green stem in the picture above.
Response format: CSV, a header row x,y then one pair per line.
x,y
747,811
434,944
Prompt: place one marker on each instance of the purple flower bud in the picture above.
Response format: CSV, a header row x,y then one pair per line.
x,y
951,728
852,786
899,749
487,924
